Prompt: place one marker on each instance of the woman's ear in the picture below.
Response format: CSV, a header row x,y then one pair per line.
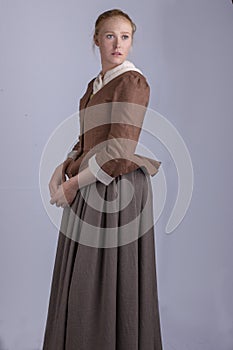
x,y
96,40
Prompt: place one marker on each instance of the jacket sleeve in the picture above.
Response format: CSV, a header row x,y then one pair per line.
x,y
131,97
76,150
72,156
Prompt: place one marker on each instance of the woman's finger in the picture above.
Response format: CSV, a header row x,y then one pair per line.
x,y
52,188
61,203
53,199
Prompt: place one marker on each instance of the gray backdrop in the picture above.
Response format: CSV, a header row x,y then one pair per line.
x,y
184,49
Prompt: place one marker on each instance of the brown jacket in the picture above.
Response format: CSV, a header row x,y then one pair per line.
x,y
110,125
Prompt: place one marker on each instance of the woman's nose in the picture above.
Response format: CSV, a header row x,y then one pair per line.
x,y
117,43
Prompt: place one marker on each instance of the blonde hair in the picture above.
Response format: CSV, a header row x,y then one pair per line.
x,y
109,14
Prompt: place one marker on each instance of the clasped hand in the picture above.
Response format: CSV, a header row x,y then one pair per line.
x,y
62,191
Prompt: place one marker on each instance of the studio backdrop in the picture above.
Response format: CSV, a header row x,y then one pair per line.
x,y
184,49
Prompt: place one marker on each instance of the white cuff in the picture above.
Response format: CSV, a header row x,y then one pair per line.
x,y
99,173
72,154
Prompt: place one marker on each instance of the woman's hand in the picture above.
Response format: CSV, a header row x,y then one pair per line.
x,y
56,180
65,193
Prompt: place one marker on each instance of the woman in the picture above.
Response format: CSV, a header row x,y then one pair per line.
x,y
104,291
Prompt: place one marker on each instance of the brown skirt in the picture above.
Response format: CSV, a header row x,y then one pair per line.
x,y
104,291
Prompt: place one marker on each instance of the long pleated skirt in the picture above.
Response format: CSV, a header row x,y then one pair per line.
x,y
104,286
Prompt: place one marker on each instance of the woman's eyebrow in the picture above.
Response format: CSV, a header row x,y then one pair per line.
x,y
110,31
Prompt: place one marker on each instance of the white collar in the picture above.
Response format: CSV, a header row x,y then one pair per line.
x,y
112,73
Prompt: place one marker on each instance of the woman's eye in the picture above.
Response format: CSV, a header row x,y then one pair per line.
x,y
124,37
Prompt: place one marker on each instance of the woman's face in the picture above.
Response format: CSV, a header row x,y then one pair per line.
x,y
114,40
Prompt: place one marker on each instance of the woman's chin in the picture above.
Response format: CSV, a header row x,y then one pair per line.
x,y
117,59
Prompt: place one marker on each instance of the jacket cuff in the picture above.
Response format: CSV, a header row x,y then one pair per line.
x,y
99,173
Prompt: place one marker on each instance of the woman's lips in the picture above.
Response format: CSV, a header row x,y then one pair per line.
x,y
116,54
